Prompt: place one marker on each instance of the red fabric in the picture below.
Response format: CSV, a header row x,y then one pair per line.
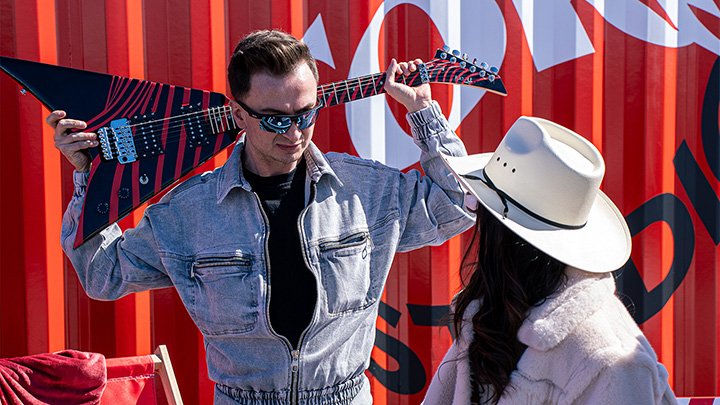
x,y
65,377
130,380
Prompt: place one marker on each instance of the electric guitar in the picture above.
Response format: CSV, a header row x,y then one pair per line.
x,y
151,134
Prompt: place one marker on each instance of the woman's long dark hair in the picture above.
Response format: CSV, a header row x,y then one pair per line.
x,y
509,276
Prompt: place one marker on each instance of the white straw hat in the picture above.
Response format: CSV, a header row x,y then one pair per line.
x,y
543,183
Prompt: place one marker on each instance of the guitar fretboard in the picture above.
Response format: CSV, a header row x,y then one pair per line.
x,y
361,87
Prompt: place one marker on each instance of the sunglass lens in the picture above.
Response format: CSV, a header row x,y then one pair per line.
x,y
308,119
279,125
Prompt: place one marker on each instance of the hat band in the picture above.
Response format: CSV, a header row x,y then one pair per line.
x,y
505,198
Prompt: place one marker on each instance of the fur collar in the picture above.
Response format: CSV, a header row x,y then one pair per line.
x,y
549,323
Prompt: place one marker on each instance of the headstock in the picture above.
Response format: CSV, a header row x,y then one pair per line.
x,y
453,67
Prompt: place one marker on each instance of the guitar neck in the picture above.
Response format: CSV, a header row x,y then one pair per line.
x,y
345,91
362,87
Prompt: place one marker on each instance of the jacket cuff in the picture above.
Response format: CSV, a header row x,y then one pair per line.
x,y
80,180
424,116
428,121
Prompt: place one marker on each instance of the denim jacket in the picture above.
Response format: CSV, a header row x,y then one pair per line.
x,y
208,239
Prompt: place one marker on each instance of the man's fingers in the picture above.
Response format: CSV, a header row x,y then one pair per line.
x,y
67,124
406,68
54,117
71,148
392,71
74,137
64,127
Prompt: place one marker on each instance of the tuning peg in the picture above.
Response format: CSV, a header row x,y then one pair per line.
x,y
474,61
484,65
456,52
446,48
494,69
465,56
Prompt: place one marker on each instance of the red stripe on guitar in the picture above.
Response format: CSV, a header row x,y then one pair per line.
x,y
113,214
161,158
140,100
147,100
127,83
98,121
117,84
113,91
370,89
143,93
358,88
157,99
132,98
182,140
218,139
112,110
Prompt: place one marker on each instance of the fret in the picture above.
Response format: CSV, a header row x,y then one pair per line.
x,y
379,83
337,101
347,90
213,122
359,87
229,118
221,122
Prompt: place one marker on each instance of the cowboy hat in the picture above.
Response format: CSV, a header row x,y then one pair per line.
x,y
543,183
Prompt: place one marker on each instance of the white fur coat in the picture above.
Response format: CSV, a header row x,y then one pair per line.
x,y
583,348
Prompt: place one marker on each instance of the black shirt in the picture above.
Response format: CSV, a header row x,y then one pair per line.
x,y
293,292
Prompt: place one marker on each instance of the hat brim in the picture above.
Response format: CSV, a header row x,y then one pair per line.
x,y
602,245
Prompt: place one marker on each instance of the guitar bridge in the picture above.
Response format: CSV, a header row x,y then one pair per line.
x,y
116,142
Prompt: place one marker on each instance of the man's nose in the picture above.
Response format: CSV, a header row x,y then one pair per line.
x,y
293,133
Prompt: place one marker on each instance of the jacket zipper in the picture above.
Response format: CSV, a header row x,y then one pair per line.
x,y
294,369
355,239
295,354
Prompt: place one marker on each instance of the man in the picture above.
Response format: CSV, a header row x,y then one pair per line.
x,y
281,255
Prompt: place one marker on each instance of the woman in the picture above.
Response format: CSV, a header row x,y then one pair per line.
x,y
538,321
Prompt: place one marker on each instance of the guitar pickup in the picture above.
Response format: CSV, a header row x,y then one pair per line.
x,y
195,126
116,142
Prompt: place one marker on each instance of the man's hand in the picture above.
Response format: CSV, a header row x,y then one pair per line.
x,y
72,144
413,98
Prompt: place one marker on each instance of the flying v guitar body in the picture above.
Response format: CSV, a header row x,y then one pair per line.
x,y
177,129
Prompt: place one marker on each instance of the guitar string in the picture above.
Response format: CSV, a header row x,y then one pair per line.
x,y
327,90
176,123
220,113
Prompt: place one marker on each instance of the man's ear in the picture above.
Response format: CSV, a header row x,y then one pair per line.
x,y
237,114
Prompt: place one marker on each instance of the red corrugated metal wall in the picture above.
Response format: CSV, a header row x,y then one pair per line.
x,y
638,78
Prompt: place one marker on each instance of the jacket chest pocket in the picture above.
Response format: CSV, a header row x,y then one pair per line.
x,y
345,265
225,295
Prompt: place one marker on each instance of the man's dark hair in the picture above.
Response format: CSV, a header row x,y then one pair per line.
x,y
273,52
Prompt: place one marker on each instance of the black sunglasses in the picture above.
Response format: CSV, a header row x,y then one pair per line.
x,y
280,124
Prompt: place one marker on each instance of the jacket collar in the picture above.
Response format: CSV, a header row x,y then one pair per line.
x,y
230,174
550,323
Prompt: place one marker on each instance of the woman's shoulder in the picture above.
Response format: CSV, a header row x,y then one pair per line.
x,y
605,346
